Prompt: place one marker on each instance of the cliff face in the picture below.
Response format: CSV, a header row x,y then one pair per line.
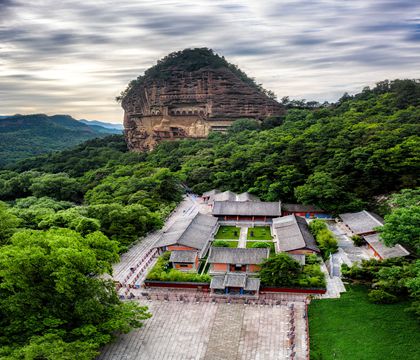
x,y
189,104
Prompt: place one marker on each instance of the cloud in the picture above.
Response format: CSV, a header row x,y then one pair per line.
x,y
75,56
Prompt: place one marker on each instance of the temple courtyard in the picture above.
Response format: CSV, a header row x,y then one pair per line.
x,y
181,330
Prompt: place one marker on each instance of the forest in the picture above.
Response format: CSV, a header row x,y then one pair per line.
x,y
66,216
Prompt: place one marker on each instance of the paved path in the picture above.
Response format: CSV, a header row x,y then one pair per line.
x,y
243,236
139,256
208,331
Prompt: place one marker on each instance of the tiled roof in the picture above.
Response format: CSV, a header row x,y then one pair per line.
x,y
183,256
241,256
220,282
211,192
384,251
247,208
361,222
292,233
195,233
300,258
235,280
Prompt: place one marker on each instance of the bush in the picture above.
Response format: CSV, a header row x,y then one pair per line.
x,y
162,271
315,226
220,243
312,259
261,244
381,297
357,240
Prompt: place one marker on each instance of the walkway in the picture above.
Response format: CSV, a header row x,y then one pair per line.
x,y
212,331
134,264
243,236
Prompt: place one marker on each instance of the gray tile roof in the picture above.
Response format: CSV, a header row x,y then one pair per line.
x,y
220,282
301,259
384,251
252,284
183,256
211,192
195,232
300,208
292,233
225,196
245,196
217,282
237,255
247,208
235,280
361,222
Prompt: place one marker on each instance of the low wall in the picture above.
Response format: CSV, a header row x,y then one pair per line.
x,y
205,287
268,289
178,285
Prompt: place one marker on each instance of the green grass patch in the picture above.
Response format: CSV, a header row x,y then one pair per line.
x,y
259,233
228,232
353,328
229,243
250,245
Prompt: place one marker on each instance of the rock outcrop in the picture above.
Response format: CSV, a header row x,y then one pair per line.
x,y
179,98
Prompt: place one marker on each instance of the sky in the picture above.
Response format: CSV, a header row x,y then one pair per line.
x,y
74,57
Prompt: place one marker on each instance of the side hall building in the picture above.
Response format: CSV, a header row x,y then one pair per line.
x,y
188,240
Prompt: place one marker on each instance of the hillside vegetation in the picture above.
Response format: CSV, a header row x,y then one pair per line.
x,y
338,157
66,216
22,136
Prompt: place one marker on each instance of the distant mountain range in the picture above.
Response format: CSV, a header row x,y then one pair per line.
x,y
102,124
22,136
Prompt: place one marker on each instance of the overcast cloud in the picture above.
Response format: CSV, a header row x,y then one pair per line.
x,y
74,57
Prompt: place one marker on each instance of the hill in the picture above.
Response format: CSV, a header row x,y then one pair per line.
x,y
188,94
22,136
105,125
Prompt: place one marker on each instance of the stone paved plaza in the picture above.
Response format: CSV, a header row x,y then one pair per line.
x,y
209,331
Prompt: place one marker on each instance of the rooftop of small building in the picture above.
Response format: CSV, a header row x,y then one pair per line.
x,y
362,222
385,252
293,233
220,282
240,256
183,256
195,232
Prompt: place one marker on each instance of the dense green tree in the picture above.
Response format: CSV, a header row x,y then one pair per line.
x,y
58,186
53,302
8,223
280,270
244,124
402,226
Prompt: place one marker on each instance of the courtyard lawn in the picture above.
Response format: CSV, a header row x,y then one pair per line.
x,y
227,232
353,328
250,245
259,233
231,243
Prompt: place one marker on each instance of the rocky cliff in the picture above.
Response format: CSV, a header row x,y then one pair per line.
x,y
187,95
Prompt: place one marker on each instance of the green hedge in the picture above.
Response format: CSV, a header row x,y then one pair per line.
x,y
162,271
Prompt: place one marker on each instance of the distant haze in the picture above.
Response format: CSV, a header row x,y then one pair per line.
x,y
74,57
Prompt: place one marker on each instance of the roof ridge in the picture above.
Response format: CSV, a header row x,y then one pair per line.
x,y
373,217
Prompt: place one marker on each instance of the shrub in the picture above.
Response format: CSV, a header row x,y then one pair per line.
x,y
327,243
261,244
220,243
315,226
357,240
312,259
381,297
162,271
